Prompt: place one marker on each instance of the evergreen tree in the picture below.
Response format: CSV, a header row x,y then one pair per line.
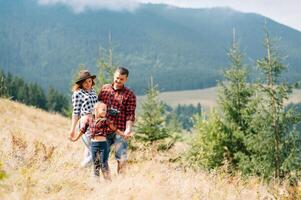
x,y
22,94
151,125
32,94
173,123
275,145
56,102
12,86
3,85
255,131
209,144
220,139
234,98
105,66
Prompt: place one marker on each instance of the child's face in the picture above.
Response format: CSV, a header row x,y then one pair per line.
x,y
101,110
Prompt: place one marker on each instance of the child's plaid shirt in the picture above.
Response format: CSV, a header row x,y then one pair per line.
x,y
101,127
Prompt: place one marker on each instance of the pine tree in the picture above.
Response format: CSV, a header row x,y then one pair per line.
x,y
151,124
209,144
56,102
37,96
220,138
276,143
105,66
174,125
234,100
3,85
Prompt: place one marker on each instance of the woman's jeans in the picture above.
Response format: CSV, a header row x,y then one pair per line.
x,y
87,154
86,138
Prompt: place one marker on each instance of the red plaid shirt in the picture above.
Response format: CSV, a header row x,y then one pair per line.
x,y
102,127
124,100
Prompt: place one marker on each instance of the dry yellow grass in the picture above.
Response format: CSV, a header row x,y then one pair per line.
x,y
42,164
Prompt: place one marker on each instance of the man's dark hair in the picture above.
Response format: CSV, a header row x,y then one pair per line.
x,y
122,71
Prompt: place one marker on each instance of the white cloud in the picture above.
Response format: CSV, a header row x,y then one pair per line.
x,y
286,12
81,5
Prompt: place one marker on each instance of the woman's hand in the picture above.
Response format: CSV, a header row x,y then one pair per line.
x,y
71,136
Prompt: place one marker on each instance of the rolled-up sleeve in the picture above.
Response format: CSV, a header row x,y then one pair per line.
x,y
131,107
85,125
76,103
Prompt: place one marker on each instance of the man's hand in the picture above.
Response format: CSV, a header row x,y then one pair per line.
x,y
128,135
129,129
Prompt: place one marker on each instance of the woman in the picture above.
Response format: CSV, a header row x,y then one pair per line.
x,y
83,99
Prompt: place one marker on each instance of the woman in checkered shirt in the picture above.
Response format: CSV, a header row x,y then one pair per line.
x,y
83,99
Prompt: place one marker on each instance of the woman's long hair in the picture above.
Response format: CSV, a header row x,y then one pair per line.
x,y
78,86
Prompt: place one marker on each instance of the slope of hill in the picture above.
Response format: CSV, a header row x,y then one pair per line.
x,y
42,164
181,48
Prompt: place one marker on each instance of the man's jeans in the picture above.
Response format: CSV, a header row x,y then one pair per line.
x,y
121,146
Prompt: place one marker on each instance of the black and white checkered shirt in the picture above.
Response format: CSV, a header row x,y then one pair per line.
x,y
83,102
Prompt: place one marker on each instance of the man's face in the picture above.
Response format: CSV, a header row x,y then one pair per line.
x,y
119,80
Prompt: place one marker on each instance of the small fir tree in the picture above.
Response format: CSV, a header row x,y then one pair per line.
x,y
220,139
105,66
234,100
276,143
3,85
208,145
151,125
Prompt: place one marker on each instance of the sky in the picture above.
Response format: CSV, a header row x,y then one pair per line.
x,y
286,12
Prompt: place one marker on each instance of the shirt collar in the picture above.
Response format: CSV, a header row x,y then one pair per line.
x,y
121,89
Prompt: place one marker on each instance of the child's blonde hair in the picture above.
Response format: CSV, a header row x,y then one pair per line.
x,y
99,104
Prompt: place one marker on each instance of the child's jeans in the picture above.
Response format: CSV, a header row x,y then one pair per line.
x,y
100,155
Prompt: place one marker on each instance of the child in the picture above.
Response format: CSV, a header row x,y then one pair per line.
x,y
100,127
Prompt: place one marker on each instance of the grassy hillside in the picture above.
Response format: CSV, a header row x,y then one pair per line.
x,y
42,164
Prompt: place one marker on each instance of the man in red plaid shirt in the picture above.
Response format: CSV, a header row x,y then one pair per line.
x,y
121,102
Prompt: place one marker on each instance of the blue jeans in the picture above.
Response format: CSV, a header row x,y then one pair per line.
x,y
100,155
121,146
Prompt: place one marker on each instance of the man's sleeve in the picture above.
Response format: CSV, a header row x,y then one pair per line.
x,y
100,95
131,107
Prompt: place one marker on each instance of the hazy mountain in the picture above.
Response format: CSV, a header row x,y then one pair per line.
x,y
181,48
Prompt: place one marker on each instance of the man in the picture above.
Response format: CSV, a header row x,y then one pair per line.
x,y
121,102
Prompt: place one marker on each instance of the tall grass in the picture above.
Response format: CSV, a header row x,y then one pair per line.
x,y
41,163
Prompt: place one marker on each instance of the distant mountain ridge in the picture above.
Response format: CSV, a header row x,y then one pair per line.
x,y
181,48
